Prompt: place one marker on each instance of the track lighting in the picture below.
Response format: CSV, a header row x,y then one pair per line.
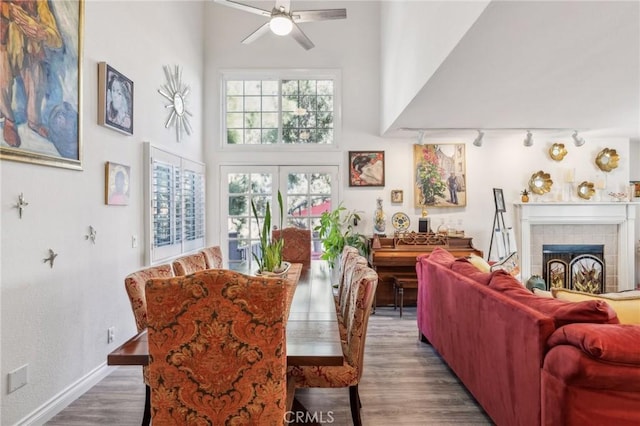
x,y
421,137
578,141
478,140
528,141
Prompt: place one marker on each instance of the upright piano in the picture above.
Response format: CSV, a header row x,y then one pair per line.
x,y
396,256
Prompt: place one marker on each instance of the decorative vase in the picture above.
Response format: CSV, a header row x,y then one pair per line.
x,y
379,218
536,281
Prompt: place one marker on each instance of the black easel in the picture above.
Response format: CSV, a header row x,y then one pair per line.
x,y
498,223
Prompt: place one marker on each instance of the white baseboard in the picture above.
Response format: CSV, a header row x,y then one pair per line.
x,y
59,402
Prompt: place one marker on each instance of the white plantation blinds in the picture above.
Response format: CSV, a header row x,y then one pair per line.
x,y
176,196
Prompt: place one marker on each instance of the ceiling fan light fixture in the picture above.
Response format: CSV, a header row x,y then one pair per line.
x,y
281,25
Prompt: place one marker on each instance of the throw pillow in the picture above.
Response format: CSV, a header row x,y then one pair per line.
x,y
442,256
627,308
464,267
478,262
509,264
608,342
542,293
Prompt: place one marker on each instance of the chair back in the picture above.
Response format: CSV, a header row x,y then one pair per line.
x,y
352,261
217,352
297,244
134,284
189,264
346,252
358,310
213,257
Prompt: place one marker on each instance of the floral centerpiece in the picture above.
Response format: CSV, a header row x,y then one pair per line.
x,y
429,176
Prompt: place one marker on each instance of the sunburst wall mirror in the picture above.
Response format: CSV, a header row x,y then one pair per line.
x,y
176,92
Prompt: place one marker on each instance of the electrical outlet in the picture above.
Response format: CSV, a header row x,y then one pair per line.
x,y
111,334
18,378
134,241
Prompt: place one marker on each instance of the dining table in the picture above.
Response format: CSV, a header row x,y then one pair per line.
x,y
312,333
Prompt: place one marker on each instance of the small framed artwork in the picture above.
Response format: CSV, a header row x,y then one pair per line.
x,y
115,99
366,168
498,198
117,184
397,196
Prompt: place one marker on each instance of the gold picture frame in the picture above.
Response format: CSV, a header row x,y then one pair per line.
x,y
397,196
49,131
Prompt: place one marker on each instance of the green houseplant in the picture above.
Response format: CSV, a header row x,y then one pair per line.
x,y
336,229
270,260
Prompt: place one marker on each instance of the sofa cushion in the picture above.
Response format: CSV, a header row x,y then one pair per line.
x,y
563,312
464,267
607,342
627,307
442,256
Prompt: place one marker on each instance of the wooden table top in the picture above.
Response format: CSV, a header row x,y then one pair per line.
x,y
312,331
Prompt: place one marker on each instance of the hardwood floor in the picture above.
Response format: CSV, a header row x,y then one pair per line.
x,y
404,383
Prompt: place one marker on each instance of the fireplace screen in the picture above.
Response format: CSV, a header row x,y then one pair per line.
x,y
575,267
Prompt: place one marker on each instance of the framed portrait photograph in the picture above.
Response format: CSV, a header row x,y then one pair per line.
x,y
440,175
115,99
41,111
366,168
397,196
117,184
498,198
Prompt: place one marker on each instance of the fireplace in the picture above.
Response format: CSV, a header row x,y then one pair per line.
x,y
578,267
609,223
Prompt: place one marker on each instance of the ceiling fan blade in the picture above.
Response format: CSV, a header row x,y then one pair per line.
x,y
286,4
257,34
301,37
318,15
244,7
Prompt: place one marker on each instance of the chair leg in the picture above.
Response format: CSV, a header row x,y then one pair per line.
x,y
146,417
354,399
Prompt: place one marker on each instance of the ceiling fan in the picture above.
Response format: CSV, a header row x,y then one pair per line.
x,y
284,21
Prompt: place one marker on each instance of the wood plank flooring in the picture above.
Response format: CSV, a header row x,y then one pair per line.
x,y
404,383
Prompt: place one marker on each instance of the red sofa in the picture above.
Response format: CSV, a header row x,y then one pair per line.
x,y
528,360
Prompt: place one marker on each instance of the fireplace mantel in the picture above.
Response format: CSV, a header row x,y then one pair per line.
x,y
622,214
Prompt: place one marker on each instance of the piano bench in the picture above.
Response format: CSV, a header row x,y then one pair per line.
x,y
399,284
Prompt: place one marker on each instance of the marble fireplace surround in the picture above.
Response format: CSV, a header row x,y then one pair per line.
x,y
620,214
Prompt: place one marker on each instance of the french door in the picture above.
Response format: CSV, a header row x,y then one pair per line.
x,y
307,191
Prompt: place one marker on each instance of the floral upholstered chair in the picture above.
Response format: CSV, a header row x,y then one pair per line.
x,y
297,244
213,257
189,264
365,281
217,351
135,285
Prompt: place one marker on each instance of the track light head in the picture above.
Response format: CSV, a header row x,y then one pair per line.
x,y
478,139
578,141
421,137
528,140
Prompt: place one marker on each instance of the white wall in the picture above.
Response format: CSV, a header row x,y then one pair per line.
x,y
56,320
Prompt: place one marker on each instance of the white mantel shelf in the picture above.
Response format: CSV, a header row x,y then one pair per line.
x,y
622,214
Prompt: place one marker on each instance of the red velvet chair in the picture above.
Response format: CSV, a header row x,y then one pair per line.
x,y
213,257
217,351
135,285
364,283
189,264
297,244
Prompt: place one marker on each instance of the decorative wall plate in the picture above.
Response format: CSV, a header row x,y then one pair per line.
x,y
400,221
585,190
540,182
607,159
557,151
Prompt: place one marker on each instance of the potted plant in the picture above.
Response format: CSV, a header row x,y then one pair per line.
x,y
337,230
270,260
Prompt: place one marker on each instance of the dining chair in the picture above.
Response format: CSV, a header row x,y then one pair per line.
x,y
365,281
217,351
352,261
189,264
134,284
212,257
297,244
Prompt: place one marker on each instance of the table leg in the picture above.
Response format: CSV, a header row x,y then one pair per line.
x,y
401,294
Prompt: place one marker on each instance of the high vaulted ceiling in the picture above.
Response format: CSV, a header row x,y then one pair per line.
x,y
542,64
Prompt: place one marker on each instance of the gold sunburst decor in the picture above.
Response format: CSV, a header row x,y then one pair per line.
x,y
176,92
